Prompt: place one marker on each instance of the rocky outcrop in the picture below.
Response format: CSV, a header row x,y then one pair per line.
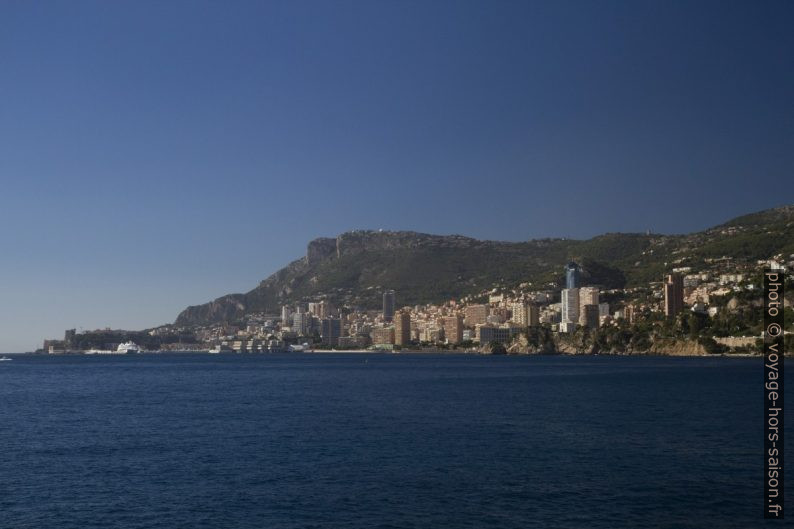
x,y
678,348
521,345
320,249
363,241
570,345
358,242
222,309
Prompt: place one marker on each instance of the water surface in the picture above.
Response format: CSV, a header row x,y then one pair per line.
x,y
390,441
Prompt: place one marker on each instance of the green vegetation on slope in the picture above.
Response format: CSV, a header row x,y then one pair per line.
x,y
355,268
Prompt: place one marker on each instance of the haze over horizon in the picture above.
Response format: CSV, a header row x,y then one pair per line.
x,y
159,155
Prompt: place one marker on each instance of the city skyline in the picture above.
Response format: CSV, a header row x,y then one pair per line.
x,y
157,156
570,275
704,317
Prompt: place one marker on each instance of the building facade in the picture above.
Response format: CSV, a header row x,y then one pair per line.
x,y
569,305
489,333
589,316
302,323
402,328
331,331
526,314
453,329
476,315
383,336
321,309
388,305
572,273
673,295
587,296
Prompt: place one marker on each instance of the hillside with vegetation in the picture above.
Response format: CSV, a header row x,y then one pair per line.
x,y
354,268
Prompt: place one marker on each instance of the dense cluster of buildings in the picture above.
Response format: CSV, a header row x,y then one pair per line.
x,y
579,305
496,315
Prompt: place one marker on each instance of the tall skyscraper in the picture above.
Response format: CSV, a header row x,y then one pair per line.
x,y
570,305
453,329
572,275
286,316
331,330
388,305
402,327
673,295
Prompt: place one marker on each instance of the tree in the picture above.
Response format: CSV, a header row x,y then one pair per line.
x,y
497,348
696,323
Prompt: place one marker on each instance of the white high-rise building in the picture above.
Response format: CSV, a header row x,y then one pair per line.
x,y
570,305
286,316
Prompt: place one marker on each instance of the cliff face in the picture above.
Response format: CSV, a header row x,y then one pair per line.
x,y
268,296
332,267
320,249
222,309
353,268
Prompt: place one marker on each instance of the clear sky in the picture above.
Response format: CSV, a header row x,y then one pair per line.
x,y
159,154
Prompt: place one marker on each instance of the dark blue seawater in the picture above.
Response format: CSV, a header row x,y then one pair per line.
x,y
390,441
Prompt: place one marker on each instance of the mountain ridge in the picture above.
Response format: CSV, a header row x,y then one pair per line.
x,y
354,267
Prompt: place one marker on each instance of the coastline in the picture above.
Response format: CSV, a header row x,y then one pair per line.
x,y
405,352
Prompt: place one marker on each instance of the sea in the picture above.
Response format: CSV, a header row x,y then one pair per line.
x,y
381,441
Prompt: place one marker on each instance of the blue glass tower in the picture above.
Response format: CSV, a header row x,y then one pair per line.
x,y
572,275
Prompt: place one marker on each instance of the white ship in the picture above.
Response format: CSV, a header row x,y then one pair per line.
x,y
101,352
128,347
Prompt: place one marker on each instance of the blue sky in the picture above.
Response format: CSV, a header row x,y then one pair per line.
x,y
159,154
